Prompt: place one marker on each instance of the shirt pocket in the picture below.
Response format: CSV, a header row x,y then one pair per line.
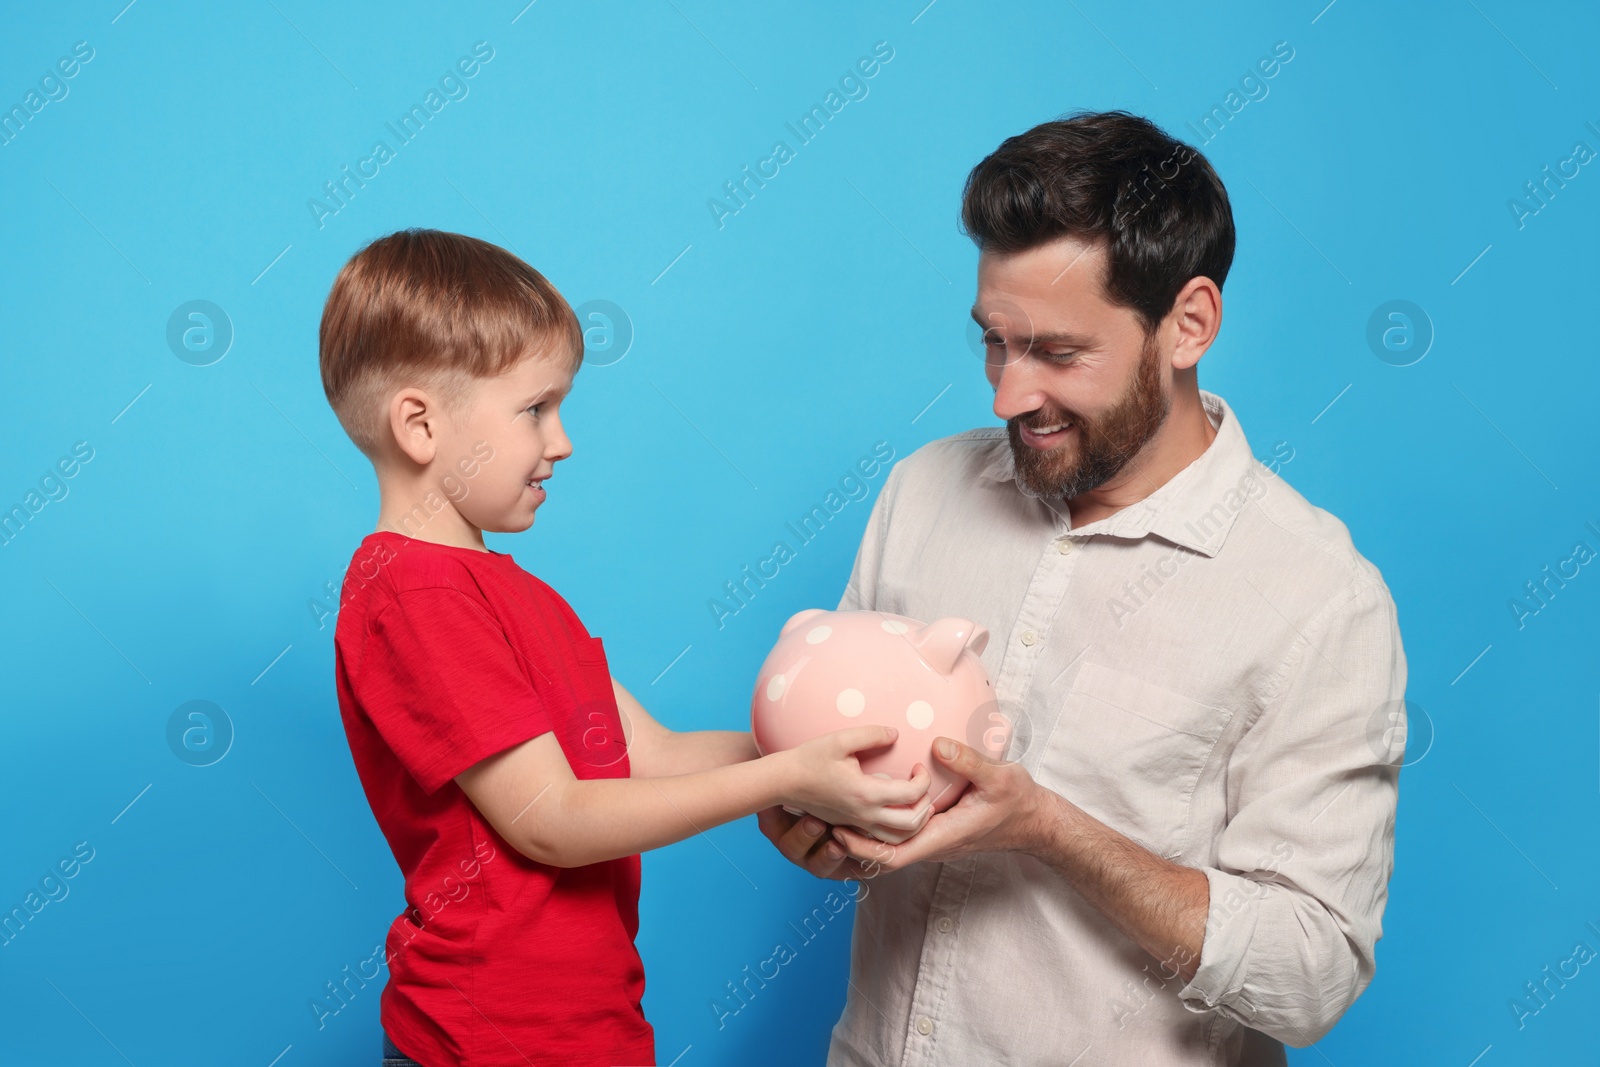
x,y
1130,753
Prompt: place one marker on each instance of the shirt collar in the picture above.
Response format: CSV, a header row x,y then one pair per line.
x,y
1196,508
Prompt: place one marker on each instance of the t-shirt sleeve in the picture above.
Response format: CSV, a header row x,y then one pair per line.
x,y
443,685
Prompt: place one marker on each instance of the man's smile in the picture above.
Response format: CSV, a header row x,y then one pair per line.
x,y
1047,435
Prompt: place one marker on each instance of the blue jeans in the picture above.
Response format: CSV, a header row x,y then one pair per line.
x,y
393,1057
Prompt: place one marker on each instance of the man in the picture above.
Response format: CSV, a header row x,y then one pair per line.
x,y
1186,858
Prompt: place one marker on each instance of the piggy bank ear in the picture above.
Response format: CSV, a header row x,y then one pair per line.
x,y
941,643
799,617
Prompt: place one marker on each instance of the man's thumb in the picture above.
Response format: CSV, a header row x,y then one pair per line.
x,y
950,752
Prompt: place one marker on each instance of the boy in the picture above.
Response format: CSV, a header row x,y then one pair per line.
x,y
515,780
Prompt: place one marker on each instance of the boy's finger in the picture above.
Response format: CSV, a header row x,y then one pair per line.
x,y
902,790
888,835
908,820
862,738
921,777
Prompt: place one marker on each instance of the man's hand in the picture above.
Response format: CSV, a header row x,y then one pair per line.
x,y
1002,811
1157,903
804,841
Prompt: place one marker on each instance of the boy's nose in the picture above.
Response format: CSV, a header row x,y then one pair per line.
x,y
557,444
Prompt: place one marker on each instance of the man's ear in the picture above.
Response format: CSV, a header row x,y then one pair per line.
x,y
415,420
1197,316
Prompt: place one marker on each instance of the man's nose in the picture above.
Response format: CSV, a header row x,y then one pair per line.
x,y
1016,388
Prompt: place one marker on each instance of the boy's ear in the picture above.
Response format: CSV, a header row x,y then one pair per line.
x,y
415,420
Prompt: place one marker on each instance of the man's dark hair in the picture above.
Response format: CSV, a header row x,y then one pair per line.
x,y
1112,178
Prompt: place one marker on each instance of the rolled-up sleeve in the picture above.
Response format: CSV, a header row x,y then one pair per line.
x,y
1302,867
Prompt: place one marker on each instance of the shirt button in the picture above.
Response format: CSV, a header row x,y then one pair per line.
x,y
1064,545
924,1026
1029,637
945,925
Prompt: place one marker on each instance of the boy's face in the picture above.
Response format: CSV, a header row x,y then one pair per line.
x,y
511,426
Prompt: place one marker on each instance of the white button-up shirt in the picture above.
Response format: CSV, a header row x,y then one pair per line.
x,y
1213,671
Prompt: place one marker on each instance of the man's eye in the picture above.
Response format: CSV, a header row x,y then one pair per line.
x,y
535,409
993,339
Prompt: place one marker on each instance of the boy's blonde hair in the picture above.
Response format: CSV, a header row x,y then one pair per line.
x,y
435,309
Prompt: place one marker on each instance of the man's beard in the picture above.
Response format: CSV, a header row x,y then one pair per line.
x,y
1103,446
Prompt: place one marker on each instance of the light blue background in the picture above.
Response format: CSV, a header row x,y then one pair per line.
x,y
827,315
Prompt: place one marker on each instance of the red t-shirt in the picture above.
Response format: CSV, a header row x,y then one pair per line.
x,y
445,656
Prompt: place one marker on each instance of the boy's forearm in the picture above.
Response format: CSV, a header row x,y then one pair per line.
x,y
588,821
654,751
700,750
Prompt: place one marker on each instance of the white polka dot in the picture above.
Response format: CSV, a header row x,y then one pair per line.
x,y
851,702
776,686
919,713
895,626
818,635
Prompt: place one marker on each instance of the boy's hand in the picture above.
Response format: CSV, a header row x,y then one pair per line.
x,y
824,778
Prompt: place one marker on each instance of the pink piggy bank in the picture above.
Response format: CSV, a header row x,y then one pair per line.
x,y
834,669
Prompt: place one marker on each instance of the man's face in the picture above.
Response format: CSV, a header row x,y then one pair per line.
x,y
1081,388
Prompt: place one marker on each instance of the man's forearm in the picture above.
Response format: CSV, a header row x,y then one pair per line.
x,y
1158,904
